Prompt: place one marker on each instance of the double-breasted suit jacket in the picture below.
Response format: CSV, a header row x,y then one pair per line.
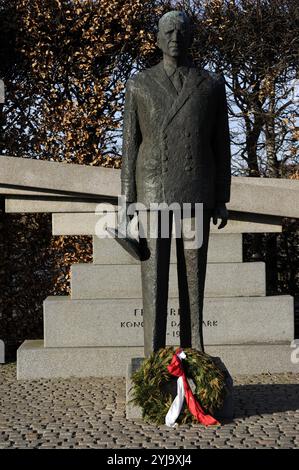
x,y
176,146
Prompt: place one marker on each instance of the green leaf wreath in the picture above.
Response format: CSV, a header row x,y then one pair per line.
x,y
152,385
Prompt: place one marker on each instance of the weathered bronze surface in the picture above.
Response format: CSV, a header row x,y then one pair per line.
x,y
176,148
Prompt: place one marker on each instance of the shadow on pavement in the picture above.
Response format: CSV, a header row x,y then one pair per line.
x,y
259,399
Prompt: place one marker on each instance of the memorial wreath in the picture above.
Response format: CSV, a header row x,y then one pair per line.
x,y
170,371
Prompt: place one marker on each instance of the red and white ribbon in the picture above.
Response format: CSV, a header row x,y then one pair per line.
x,y
184,392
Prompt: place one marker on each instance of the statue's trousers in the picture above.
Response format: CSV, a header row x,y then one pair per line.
x,y
191,272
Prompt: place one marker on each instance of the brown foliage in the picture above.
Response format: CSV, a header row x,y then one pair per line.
x,y
78,55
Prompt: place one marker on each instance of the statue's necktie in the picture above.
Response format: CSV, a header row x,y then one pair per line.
x,y
177,80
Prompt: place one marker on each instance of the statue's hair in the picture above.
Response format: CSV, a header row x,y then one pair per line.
x,y
173,15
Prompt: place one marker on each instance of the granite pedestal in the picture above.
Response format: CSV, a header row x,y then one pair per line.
x,y
98,329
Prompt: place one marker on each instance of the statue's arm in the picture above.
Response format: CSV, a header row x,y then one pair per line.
x,y
131,142
221,146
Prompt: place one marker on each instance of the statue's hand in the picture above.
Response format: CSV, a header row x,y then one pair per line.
x,y
220,212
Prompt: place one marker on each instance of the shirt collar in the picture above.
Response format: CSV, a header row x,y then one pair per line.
x,y
170,70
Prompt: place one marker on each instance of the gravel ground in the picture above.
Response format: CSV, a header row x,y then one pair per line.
x,y
90,413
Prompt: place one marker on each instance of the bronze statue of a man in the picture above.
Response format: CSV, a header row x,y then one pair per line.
x,y
176,148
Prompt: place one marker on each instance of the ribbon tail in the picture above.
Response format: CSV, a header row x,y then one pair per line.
x,y
176,406
195,407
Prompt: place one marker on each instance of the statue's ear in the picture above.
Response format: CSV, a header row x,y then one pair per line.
x,y
158,39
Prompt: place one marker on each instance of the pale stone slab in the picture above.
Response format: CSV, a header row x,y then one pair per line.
x,y
94,281
59,176
20,191
109,251
35,362
50,204
91,224
255,195
275,182
222,248
112,322
265,196
2,352
133,412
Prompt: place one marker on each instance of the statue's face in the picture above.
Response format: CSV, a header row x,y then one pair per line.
x,y
174,35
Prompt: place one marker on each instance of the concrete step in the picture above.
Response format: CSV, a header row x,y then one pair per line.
x,y
34,361
112,322
94,281
225,248
87,223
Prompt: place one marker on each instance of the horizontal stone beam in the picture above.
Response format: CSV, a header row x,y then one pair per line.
x,y
20,191
51,204
61,204
59,176
278,197
86,223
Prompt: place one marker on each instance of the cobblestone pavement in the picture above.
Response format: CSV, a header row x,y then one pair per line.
x,y
90,413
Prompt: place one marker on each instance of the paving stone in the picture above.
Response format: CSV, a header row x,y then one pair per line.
x,y
82,413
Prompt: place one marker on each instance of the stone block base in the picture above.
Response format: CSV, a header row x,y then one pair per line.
x,y
119,322
123,281
34,361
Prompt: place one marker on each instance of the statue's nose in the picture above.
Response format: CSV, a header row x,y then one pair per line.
x,y
175,35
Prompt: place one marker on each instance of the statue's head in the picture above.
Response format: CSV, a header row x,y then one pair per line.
x,y
174,34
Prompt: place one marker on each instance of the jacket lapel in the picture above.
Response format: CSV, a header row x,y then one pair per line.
x,y
191,82
161,78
